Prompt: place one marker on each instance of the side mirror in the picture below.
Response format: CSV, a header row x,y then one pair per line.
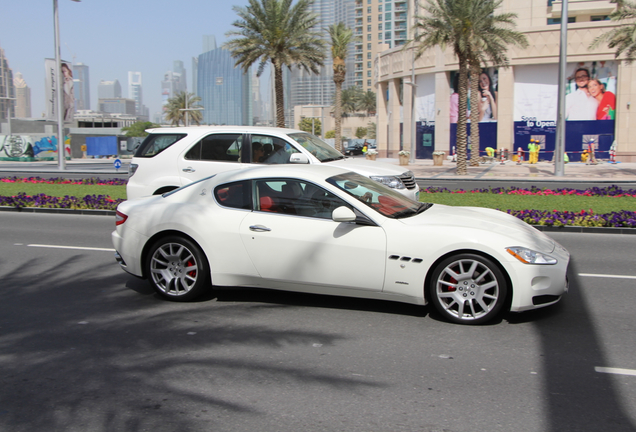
x,y
343,214
298,158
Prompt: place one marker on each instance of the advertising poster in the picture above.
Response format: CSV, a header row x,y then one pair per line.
x,y
68,104
590,107
488,98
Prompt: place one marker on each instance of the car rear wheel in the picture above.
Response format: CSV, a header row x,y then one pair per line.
x,y
468,289
177,269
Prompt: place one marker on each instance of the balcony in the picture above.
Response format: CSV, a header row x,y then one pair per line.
x,y
582,7
399,35
400,27
400,17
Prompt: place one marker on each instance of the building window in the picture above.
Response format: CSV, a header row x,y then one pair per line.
x,y
368,18
387,26
369,54
380,17
558,20
600,18
387,7
368,64
380,27
379,8
369,73
368,46
369,28
387,35
369,83
387,16
379,36
368,9
369,36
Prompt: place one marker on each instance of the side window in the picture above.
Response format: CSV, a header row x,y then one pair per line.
x,y
294,197
156,143
271,150
217,147
235,195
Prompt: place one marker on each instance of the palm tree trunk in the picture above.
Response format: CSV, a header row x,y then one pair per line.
x,y
475,98
338,115
461,118
278,90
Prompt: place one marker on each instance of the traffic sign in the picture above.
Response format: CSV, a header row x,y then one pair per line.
x,y
117,164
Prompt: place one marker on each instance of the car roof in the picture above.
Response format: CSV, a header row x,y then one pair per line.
x,y
200,129
310,172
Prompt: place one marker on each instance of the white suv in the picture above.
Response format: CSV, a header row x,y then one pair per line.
x,y
172,157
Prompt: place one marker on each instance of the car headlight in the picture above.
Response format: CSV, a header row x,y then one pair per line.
x,y
132,168
528,256
390,181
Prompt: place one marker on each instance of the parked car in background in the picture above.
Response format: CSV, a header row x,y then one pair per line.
x,y
326,230
172,157
352,149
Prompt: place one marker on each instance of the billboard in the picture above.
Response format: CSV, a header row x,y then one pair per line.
x,y
590,106
68,104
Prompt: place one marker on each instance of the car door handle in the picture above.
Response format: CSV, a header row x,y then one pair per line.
x,y
259,228
189,170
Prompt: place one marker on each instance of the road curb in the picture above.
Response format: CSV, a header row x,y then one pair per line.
x,y
91,212
546,228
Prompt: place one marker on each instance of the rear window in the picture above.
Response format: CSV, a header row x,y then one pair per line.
x,y
156,143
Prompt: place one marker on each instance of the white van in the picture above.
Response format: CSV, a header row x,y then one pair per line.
x,y
172,157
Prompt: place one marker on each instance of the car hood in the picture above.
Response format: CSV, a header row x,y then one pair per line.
x,y
488,220
367,167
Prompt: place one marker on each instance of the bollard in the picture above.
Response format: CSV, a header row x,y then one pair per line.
x,y
503,160
519,156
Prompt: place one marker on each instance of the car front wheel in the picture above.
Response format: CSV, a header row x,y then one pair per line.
x,y
468,289
177,269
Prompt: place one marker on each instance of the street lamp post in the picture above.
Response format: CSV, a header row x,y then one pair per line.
x,y
559,148
59,89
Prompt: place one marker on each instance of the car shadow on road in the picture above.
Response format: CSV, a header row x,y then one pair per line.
x,y
576,397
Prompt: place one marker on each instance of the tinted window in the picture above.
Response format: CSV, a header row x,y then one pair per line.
x,y
218,147
234,195
294,197
156,143
275,150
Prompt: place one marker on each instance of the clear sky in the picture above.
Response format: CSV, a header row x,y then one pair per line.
x,y
112,37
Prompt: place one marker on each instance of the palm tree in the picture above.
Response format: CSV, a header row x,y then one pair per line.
x,y
176,105
367,102
341,36
623,37
274,31
476,35
349,100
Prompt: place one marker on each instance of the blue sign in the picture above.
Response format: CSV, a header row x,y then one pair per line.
x,y
117,163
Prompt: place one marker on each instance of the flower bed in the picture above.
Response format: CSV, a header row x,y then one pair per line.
x,y
59,180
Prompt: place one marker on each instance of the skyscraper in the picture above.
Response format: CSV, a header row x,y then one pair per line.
x,y
135,91
23,97
177,68
309,88
7,90
82,87
224,89
109,89
379,26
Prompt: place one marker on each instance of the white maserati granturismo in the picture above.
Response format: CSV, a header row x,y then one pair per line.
x,y
322,229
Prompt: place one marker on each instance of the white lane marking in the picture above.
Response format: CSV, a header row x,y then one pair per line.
x,y
71,247
616,371
607,276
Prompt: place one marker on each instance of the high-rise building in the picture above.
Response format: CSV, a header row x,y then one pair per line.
x,y
7,90
81,84
309,88
109,89
209,44
135,91
117,106
177,68
170,86
378,26
224,89
23,97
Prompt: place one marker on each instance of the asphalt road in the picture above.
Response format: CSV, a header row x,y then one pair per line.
x,y
86,347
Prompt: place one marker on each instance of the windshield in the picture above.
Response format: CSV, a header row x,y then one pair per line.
x,y
317,147
380,198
